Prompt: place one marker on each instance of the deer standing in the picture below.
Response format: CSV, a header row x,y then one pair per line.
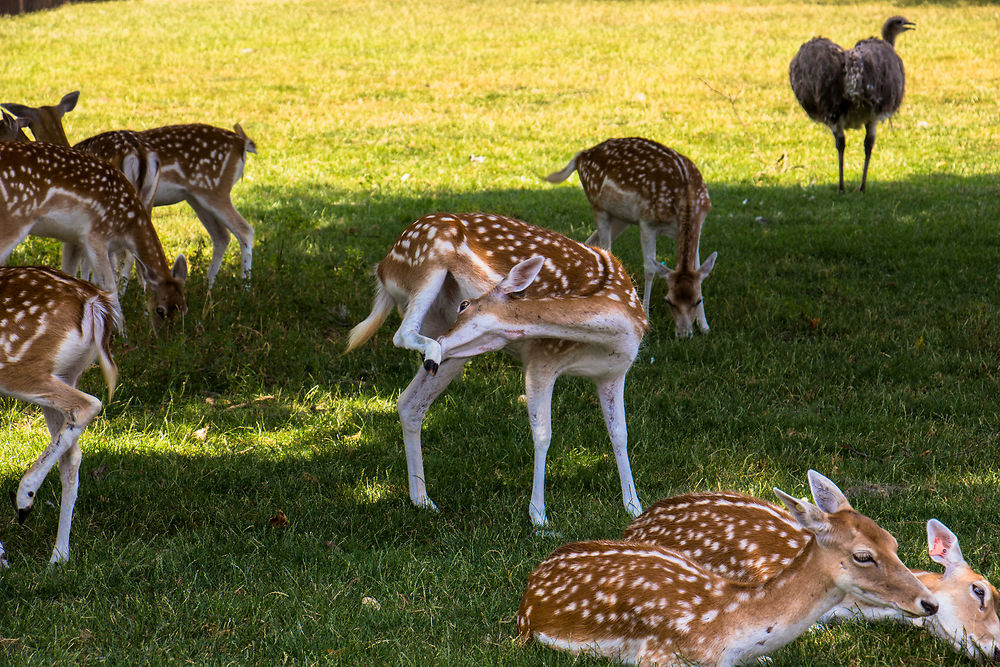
x,y
71,196
45,122
638,181
479,282
200,164
749,539
51,328
645,604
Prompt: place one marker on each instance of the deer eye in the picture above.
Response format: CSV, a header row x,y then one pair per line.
x,y
462,306
698,302
863,557
980,593
162,312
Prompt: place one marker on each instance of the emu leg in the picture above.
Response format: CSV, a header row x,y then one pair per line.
x,y
869,145
840,142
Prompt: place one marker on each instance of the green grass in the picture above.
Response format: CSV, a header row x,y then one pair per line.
x,y
854,334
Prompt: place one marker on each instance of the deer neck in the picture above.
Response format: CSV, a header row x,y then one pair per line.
x,y
688,240
145,245
773,613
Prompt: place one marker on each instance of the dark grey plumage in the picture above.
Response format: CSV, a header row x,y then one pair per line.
x,y
850,89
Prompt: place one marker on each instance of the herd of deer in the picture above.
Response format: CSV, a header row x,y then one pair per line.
x,y
707,578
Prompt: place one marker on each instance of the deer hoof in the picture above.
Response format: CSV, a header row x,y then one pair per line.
x,y
431,366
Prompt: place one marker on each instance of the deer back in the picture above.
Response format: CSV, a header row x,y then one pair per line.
x,y
197,157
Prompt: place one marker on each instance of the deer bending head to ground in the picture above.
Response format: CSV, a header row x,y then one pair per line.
x,y
638,181
470,283
750,539
51,328
200,164
76,198
45,122
646,604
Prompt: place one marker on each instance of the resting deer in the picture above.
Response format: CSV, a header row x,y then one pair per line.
x,y
76,198
200,164
45,122
642,603
471,283
638,181
749,539
51,328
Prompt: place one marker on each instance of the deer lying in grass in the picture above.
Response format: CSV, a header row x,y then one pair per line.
x,y
471,283
638,181
642,603
749,539
51,328
76,198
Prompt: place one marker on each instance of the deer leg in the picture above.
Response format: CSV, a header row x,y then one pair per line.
x,y
538,384
612,396
412,405
647,240
869,145
602,236
69,473
72,256
840,142
220,217
73,410
408,334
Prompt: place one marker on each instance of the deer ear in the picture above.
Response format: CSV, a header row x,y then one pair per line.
x,y
708,265
522,275
659,269
131,167
180,268
942,545
68,102
826,495
806,514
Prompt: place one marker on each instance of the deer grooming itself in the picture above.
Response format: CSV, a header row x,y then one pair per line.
x,y
61,193
638,181
45,122
200,164
642,603
51,328
749,539
479,282
850,89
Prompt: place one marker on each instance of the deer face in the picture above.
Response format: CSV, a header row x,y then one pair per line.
x,y
166,298
684,294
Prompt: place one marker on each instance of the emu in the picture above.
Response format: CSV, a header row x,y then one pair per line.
x,y
850,89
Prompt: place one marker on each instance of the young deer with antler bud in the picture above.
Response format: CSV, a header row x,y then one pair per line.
x,y
51,328
200,164
45,122
638,181
68,195
477,282
645,604
750,539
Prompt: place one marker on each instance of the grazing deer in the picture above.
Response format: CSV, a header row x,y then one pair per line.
x,y
51,327
642,603
479,282
200,164
45,122
76,198
749,539
10,126
638,181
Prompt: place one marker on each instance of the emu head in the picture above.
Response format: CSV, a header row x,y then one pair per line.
x,y
896,25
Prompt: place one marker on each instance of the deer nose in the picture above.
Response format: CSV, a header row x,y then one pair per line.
x,y
930,607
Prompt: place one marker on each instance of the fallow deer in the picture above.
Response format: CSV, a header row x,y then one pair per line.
x,y
479,282
45,122
71,196
51,328
638,181
10,126
642,603
200,164
750,539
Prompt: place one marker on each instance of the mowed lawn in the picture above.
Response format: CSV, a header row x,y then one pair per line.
x,y
856,334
